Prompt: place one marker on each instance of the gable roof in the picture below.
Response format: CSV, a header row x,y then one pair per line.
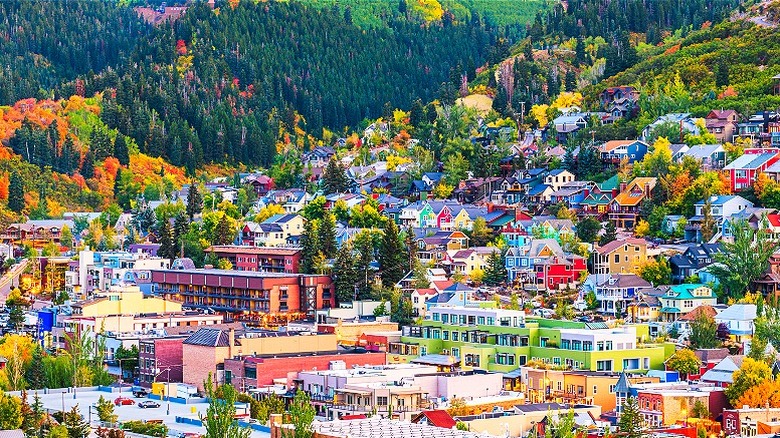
x,y
701,310
750,161
209,338
614,144
438,418
615,244
739,312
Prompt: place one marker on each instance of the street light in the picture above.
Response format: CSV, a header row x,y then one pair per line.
x,y
167,387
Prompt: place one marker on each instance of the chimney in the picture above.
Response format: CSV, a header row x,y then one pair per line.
x,y
614,193
586,192
647,189
231,341
622,187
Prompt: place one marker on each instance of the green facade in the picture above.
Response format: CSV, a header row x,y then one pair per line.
x,y
538,339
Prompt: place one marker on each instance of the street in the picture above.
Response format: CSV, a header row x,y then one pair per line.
x,y
84,399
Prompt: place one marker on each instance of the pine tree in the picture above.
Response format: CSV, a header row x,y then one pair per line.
x,y
180,228
167,248
411,248
194,201
344,274
721,73
708,225
224,234
630,423
34,375
334,178
88,166
327,235
610,234
570,80
77,427
495,273
15,193
310,246
569,162
121,152
391,257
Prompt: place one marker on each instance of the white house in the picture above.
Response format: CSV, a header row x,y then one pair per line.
x,y
739,319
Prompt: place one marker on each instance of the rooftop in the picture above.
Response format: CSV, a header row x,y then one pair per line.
x,y
385,428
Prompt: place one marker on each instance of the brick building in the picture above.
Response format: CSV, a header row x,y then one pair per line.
x,y
256,298
259,258
161,359
255,371
206,350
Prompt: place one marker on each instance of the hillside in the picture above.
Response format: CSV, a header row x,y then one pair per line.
x,y
729,65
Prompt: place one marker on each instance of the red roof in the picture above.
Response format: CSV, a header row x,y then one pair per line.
x,y
438,418
615,244
354,417
774,219
426,291
441,285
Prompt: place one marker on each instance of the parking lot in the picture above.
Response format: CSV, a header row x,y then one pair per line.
x,y
85,399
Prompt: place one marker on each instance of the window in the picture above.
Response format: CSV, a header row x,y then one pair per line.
x,y
646,363
604,365
250,372
595,389
481,320
491,320
445,335
445,318
456,351
436,334
436,317
228,377
381,401
454,335
587,346
617,258
611,389
609,345
630,364
543,342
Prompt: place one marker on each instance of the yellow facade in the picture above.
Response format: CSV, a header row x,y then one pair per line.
x,y
627,258
462,221
128,300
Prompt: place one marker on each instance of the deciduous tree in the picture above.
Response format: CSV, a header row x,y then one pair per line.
x,y
751,373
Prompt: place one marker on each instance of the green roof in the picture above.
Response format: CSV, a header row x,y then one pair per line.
x,y
592,199
684,292
670,310
610,184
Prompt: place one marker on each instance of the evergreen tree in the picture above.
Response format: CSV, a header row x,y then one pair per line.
x,y
630,423
417,112
167,248
344,274
570,80
121,151
496,272
77,427
721,73
35,374
391,256
364,244
100,144
569,162
610,234
194,201
15,193
310,246
327,235
180,229
334,178
411,248
708,225
88,166
224,234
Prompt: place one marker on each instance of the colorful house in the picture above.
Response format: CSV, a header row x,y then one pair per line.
x,y
744,170
620,257
614,151
682,299
625,208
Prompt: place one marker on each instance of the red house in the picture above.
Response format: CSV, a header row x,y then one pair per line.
x,y
556,271
261,183
744,170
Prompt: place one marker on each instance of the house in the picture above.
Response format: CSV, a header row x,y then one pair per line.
x,y
692,260
555,273
683,120
682,299
476,189
572,194
521,262
722,124
739,319
683,323
558,178
437,418
466,262
744,170
261,183
721,374
598,200
432,247
277,230
35,232
619,94
711,156
618,291
721,208
625,207
768,284
319,156
567,125
620,257
614,151
539,194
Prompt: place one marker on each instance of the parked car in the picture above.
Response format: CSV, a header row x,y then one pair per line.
x,y
148,404
121,401
140,392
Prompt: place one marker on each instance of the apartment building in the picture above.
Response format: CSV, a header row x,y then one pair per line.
x,y
502,340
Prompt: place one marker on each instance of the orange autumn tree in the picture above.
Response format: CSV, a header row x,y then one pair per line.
x,y
766,392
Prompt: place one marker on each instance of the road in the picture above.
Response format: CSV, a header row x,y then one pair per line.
x,y
84,399
11,279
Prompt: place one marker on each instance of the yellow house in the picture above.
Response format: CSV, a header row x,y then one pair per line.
x,y
127,300
620,257
467,261
462,220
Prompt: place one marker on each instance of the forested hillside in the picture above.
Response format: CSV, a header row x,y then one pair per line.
x,y
43,43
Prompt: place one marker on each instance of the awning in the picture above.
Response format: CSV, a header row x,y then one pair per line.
x,y
436,359
670,310
514,374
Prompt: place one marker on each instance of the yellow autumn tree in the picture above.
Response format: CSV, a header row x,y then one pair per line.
x,y
17,350
642,228
567,99
766,393
539,112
